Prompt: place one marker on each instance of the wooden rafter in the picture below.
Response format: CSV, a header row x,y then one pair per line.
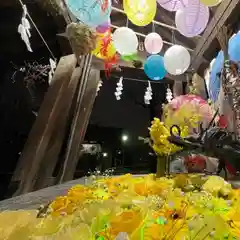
x,y
155,22
167,29
219,19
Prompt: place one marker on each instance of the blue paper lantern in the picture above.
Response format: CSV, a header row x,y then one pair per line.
x,y
234,55
234,48
91,12
154,67
214,83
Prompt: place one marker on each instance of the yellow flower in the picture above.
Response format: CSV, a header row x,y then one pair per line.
x,y
79,193
187,117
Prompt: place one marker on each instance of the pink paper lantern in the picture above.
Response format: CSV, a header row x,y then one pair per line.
x,y
173,5
193,19
202,105
153,43
178,101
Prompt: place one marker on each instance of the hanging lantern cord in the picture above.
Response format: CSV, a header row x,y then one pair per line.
x,y
153,27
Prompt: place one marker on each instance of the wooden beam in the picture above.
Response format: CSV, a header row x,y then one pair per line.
x,y
155,22
52,155
79,127
39,137
71,153
221,15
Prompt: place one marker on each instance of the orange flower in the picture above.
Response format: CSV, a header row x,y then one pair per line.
x,y
141,189
150,187
59,205
127,222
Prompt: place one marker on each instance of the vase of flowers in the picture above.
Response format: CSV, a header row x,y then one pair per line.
x,y
186,118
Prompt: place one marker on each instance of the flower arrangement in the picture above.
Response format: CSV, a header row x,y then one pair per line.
x,y
186,117
136,208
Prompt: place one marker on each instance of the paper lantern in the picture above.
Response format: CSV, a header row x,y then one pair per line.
x,y
90,12
190,104
210,3
125,41
103,27
217,65
153,43
193,19
214,83
177,60
104,47
173,5
154,67
140,13
234,48
130,58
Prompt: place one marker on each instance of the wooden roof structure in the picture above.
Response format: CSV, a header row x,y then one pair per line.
x,y
50,23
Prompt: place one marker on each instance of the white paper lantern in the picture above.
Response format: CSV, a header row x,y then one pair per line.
x,y
177,60
125,41
153,43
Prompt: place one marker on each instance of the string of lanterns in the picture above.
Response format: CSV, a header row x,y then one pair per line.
x,y
191,18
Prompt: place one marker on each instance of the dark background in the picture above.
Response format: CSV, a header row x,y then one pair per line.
x,y
109,120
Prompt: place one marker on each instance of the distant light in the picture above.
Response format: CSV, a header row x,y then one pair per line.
x,y
124,138
105,154
119,152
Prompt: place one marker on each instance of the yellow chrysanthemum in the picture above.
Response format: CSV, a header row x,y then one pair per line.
x,y
187,118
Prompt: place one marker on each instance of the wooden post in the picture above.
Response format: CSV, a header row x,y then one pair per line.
x,y
39,137
79,126
177,88
51,158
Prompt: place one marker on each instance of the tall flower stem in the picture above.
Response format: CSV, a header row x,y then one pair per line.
x,y
161,167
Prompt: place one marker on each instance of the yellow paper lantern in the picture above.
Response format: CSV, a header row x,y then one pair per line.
x,y
140,12
210,3
104,46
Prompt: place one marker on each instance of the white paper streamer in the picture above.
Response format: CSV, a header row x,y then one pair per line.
x,y
53,66
119,89
100,83
148,94
24,29
169,95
